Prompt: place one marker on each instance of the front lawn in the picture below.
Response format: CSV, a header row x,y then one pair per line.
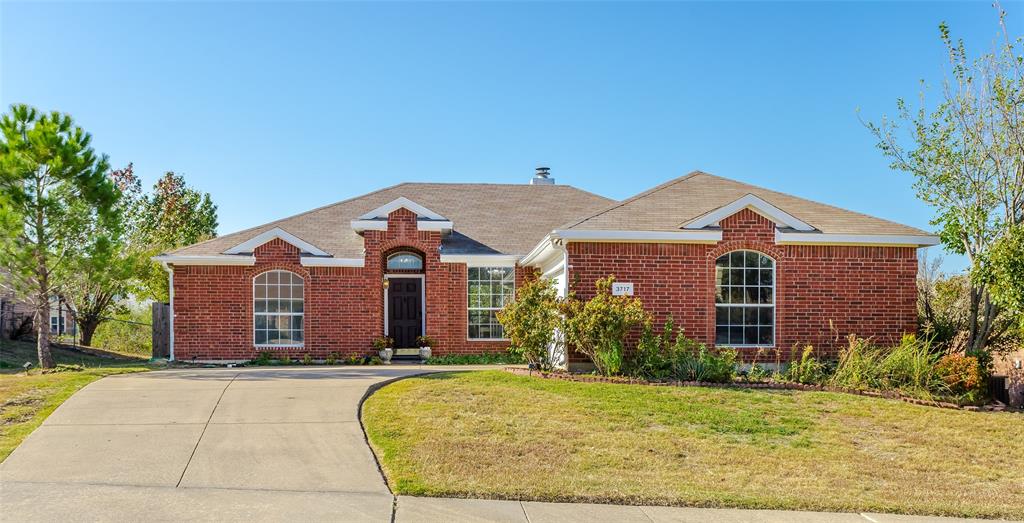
x,y
27,399
495,435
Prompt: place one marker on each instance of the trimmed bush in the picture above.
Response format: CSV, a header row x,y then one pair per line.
x,y
598,327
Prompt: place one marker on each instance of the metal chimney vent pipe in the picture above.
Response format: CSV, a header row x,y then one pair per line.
x,y
542,177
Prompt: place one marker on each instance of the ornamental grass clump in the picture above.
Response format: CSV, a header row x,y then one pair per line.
x,y
912,367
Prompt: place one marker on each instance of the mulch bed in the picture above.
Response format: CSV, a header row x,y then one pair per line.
x,y
774,385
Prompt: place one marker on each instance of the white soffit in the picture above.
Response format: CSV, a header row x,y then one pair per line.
x,y
749,201
277,232
384,210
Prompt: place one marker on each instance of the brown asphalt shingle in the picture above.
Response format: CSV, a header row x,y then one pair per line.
x,y
671,205
512,219
488,218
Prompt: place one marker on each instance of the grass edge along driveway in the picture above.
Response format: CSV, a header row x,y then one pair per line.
x,y
26,400
495,435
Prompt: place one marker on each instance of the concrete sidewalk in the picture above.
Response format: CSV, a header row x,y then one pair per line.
x,y
258,444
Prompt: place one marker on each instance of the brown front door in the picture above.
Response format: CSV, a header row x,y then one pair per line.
x,y
405,310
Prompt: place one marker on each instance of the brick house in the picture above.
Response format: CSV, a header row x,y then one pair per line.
x,y
734,264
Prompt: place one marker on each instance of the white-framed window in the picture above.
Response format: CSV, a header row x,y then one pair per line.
x,y
56,316
490,288
405,261
278,305
744,299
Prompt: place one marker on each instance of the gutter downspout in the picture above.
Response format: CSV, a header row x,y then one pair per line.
x,y
170,319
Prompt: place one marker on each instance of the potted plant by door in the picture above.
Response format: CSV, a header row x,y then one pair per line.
x,y
425,342
385,348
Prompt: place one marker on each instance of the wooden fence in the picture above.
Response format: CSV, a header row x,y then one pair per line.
x,y
161,330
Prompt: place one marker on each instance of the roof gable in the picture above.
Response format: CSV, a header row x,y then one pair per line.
x,y
276,233
749,201
398,203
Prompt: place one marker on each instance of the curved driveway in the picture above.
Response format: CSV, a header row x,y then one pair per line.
x,y
208,444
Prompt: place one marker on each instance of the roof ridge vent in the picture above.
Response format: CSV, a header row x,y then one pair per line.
x,y
542,177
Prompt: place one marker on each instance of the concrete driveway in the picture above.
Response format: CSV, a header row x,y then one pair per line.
x,y
206,444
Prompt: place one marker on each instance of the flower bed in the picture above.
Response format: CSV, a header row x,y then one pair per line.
x,y
593,378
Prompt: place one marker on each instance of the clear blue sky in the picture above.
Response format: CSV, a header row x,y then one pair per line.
x,y
277,108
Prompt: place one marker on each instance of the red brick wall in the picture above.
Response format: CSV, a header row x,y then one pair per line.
x,y
344,306
822,293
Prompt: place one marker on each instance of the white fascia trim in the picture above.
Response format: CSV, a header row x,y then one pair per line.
x,y
539,252
384,210
309,261
434,225
803,238
217,259
755,204
369,225
481,260
277,232
640,236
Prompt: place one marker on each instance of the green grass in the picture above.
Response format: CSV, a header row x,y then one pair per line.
x,y
26,399
496,435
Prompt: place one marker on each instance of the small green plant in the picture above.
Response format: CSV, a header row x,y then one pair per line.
x,y
331,359
425,341
353,360
262,358
307,360
285,359
383,342
374,360
806,369
758,373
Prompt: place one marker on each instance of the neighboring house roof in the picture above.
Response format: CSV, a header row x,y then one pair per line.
x,y
673,205
487,218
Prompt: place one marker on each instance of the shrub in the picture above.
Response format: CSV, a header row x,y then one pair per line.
x,y
696,362
127,333
961,374
599,326
307,360
262,358
331,359
651,359
530,321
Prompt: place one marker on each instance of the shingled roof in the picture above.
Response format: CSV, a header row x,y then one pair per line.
x,y
671,205
487,218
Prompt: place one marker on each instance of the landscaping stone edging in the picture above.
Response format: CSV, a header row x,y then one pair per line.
x,y
590,378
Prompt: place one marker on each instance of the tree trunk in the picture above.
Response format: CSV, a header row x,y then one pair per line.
x,y
43,334
87,330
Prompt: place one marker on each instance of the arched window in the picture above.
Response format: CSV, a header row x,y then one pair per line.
x,y
744,299
405,261
278,309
